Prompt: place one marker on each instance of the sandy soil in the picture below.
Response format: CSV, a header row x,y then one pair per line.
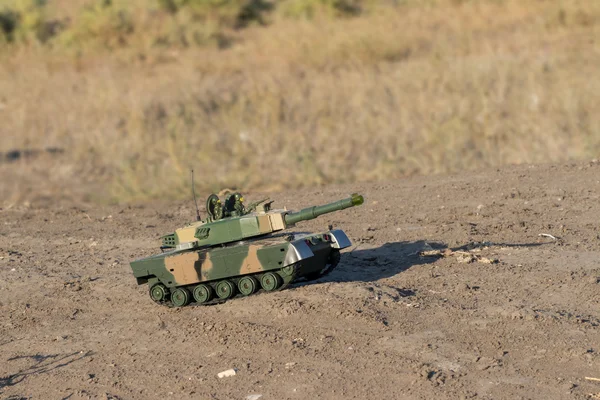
x,y
388,323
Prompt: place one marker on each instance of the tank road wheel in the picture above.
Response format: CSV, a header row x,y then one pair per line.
x,y
158,293
247,285
180,297
202,293
288,270
225,289
270,281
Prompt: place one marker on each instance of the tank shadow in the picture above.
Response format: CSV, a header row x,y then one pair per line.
x,y
40,364
372,264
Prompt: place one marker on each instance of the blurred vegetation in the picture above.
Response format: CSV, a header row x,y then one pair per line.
x,y
24,21
114,23
274,94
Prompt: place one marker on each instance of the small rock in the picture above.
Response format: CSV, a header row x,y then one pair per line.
x,y
253,396
228,373
289,365
465,258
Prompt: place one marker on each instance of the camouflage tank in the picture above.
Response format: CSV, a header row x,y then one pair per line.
x,y
240,250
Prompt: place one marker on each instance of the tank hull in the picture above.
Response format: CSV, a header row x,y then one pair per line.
x,y
269,263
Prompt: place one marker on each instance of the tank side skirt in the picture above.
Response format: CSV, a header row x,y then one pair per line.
x,y
192,267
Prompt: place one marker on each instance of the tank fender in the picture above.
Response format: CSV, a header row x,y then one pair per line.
x,y
297,250
339,238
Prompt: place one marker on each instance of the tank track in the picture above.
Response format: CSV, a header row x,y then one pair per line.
x,y
288,279
334,262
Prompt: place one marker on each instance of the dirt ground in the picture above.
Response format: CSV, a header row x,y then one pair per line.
x,y
388,323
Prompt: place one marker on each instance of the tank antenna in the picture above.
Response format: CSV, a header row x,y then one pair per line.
x,y
194,195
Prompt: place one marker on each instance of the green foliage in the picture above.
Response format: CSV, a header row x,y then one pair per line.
x,y
116,23
207,22
25,21
227,13
9,21
183,23
171,6
106,22
253,11
332,8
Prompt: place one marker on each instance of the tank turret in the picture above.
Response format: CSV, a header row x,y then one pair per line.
x,y
212,232
237,249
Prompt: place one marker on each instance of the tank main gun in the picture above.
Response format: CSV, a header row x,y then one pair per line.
x,y
316,211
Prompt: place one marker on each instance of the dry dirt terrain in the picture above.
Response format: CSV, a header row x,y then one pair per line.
x,y
497,312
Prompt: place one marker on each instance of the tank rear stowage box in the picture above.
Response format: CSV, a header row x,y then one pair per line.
x,y
239,250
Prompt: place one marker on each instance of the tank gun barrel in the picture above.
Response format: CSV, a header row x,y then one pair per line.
x,y
315,211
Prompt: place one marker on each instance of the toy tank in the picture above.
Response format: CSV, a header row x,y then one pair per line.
x,y
240,250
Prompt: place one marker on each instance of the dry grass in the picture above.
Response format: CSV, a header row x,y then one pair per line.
x,y
420,88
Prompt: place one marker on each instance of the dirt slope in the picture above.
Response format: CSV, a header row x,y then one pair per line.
x,y
387,323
